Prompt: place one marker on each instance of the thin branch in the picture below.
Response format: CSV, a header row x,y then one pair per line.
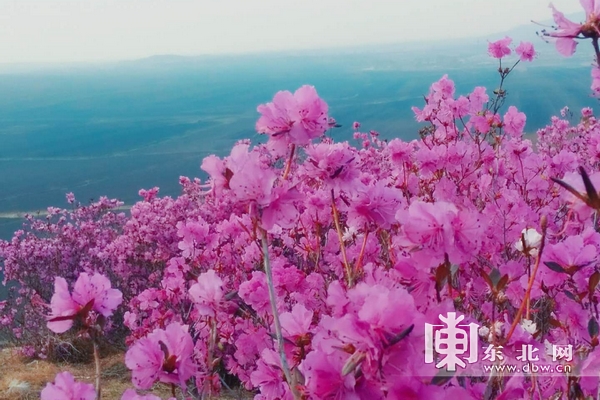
x,y
278,334
338,228
544,225
97,364
288,166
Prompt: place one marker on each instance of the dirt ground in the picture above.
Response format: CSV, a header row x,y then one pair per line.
x,y
22,379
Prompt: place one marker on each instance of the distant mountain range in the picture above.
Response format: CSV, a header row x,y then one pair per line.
x,y
430,55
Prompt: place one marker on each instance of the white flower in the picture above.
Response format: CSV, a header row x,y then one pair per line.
x,y
528,326
484,331
532,240
350,233
487,333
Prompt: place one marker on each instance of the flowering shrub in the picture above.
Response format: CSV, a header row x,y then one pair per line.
x,y
310,269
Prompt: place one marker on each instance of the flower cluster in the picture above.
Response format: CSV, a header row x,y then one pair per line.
x,y
309,269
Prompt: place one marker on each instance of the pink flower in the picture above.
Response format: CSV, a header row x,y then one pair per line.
x,y
567,31
163,355
192,234
376,204
250,179
333,163
440,228
255,293
499,48
478,98
375,310
575,180
514,122
483,123
442,89
207,293
215,168
279,209
267,377
296,323
572,253
429,224
525,51
356,125
324,378
253,183
294,118
90,293
65,388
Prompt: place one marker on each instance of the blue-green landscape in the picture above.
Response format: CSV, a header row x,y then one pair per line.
x,y
111,129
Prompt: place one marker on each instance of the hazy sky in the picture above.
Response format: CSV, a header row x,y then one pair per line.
x,y
91,30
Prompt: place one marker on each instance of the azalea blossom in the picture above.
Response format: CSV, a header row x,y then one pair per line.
x,y
324,378
375,204
572,253
253,183
582,202
525,51
296,323
499,48
207,293
90,293
567,31
514,122
165,355
294,118
267,377
66,388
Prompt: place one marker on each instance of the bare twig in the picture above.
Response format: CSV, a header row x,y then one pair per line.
x,y
278,334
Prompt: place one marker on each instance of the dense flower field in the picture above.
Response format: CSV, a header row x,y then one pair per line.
x,y
311,269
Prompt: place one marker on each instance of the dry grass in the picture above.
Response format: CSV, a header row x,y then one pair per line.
x,y
22,379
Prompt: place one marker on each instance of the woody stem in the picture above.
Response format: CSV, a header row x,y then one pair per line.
x,y
278,333
336,220
597,50
362,252
97,365
288,165
209,356
544,224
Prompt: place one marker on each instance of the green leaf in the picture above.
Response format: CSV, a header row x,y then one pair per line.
x,y
571,295
592,194
555,266
571,190
502,282
487,279
594,280
495,277
441,275
593,328
401,335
